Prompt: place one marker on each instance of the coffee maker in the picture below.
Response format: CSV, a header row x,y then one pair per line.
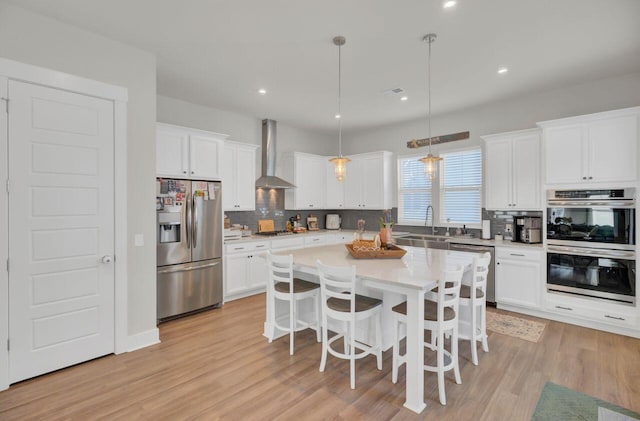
x,y
527,229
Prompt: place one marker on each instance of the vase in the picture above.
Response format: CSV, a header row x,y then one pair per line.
x,y
383,235
386,234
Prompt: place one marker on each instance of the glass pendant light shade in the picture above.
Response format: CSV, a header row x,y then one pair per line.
x,y
431,163
340,162
340,167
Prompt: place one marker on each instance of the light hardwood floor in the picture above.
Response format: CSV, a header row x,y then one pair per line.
x,y
217,365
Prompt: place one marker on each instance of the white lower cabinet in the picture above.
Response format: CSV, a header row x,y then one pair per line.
x,y
589,310
245,269
339,238
311,240
519,277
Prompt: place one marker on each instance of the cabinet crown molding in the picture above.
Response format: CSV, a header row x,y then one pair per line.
x,y
590,117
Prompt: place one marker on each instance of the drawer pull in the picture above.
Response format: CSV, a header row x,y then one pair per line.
x,y
564,308
516,254
614,317
238,248
260,246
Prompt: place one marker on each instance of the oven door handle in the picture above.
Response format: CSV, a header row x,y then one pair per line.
x,y
581,251
592,203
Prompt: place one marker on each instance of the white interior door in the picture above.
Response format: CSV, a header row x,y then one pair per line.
x,y
61,229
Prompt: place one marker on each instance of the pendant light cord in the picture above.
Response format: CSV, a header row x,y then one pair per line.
x,y
340,101
429,92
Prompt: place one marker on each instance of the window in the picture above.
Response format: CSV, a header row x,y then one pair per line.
x,y
455,194
414,192
461,187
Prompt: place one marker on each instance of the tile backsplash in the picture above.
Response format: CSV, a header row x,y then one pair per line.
x,y
270,205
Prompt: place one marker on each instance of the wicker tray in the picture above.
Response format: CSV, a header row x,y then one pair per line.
x,y
394,252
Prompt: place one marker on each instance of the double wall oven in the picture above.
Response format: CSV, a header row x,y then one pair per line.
x,y
591,248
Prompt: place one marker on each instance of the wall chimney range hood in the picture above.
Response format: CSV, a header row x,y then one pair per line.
x,y
269,179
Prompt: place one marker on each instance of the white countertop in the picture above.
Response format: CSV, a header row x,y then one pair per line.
x,y
371,234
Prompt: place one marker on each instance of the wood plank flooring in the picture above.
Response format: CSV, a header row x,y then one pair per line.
x,y
217,365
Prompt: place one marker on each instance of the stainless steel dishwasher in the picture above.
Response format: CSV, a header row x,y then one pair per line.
x,y
491,278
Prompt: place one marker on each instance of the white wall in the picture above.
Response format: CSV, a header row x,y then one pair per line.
x,y
44,42
513,114
241,128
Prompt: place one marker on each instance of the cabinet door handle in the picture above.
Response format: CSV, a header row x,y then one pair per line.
x,y
564,308
614,317
184,172
590,178
584,178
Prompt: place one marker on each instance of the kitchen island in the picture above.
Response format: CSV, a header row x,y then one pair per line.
x,y
410,277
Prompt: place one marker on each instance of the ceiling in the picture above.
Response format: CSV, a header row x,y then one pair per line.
x,y
218,53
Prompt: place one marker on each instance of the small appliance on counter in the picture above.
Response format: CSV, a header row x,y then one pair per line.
x,y
232,234
527,229
312,223
333,221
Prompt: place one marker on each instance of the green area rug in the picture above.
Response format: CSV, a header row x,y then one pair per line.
x,y
559,403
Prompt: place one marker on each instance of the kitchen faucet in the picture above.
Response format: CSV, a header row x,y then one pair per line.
x,y
426,218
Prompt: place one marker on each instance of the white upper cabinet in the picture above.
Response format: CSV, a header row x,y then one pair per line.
x,y
594,148
172,152
369,181
334,189
238,176
307,173
188,153
512,169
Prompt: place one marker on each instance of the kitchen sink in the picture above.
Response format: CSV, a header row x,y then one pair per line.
x,y
424,240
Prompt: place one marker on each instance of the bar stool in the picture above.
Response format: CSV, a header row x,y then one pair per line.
x,y
440,317
473,307
283,286
340,302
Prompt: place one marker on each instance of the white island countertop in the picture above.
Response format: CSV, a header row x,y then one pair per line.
x,y
418,269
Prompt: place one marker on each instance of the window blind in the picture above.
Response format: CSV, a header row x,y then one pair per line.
x,y
461,187
414,192
455,194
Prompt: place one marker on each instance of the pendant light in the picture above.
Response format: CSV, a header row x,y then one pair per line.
x,y
340,162
431,163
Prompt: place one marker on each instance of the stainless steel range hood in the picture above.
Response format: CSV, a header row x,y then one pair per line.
x,y
269,179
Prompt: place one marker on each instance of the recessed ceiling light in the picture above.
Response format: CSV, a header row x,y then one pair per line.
x,y
502,70
262,91
337,116
404,98
448,4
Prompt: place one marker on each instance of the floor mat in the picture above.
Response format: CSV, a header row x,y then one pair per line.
x,y
529,330
559,403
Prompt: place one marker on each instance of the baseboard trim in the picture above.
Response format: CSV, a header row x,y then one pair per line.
x,y
143,339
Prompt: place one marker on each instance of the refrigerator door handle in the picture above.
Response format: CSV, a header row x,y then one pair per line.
x,y
188,268
194,209
188,227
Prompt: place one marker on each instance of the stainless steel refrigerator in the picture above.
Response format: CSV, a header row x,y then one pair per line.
x,y
189,245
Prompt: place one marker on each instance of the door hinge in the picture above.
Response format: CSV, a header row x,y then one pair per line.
x,y
6,100
8,345
8,185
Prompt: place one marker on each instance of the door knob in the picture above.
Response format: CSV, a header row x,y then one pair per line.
x,y
107,259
